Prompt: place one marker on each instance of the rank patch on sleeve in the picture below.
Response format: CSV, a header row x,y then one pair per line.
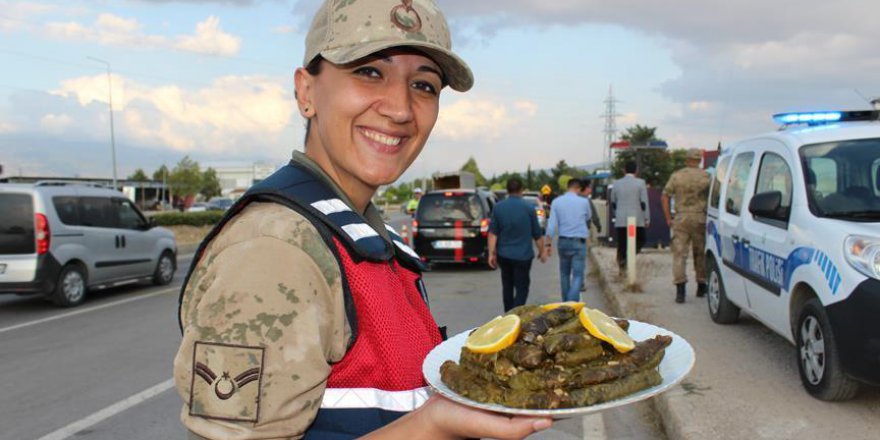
x,y
226,382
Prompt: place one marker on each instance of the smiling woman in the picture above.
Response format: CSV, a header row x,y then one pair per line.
x,y
304,315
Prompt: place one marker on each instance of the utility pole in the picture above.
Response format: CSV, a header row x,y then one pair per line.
x,y
610,130
110,99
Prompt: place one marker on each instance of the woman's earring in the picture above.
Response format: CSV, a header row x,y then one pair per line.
x,y
306,110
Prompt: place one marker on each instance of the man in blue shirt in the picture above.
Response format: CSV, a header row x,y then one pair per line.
x,y
569,217
513,228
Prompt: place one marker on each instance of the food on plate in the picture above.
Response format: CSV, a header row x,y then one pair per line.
x,y
562,356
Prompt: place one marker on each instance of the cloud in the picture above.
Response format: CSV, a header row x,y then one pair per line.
x,y
16,16
109,29
209,39
232,113
473,118
285,29
55,124
6,127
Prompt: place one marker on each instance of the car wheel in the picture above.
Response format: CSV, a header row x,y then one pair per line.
x,y
164,269
818,360
721,309
70,290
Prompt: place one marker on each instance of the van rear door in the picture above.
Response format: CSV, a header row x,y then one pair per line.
x,y
18,259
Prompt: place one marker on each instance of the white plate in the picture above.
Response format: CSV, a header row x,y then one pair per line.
x,y
676,364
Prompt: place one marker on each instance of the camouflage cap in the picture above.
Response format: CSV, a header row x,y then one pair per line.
x,y
344,31
695,154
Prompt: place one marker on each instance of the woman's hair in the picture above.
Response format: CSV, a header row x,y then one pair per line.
x,y
314,68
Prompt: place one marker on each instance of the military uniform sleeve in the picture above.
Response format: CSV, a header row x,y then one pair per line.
x,y
669,189
263,318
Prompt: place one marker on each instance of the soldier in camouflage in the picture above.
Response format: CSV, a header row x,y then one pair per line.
x,y
292,305
689,187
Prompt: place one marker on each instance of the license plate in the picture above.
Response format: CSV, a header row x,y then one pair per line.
x,y
447,244
2,269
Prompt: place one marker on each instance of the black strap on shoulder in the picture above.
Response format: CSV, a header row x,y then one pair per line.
x,y
297,188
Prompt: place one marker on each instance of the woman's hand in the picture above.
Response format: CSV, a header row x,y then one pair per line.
x,y
442,419
450,420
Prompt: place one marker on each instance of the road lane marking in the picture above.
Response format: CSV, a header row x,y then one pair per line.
x,y
89,309
110,411
594,426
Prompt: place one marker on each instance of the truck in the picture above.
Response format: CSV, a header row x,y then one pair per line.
x,y
454,180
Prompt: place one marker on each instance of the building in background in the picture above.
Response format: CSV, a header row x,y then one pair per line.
x,y
236,177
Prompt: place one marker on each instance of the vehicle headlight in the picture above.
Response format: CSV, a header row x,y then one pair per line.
x,y
863,253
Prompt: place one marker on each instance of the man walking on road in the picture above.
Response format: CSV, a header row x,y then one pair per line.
x,y
689,187
629,198
513,228
569,216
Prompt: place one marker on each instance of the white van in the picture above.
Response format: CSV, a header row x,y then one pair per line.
x,y
793,239
60,239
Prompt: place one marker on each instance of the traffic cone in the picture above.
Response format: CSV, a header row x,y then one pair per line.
x,y
404,234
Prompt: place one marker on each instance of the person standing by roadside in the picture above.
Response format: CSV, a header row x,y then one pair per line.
x,y
629,198
303,315
569,217
689,187
586,192
413,203
512,230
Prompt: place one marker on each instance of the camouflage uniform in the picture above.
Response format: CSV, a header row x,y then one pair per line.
x,y
242,294
689,187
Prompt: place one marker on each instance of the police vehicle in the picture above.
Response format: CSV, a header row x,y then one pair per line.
x,y
793,239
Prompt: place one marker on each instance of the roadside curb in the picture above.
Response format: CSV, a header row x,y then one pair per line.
x,y
671,419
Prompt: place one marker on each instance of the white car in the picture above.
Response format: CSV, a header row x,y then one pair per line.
x,y
62,239
793,239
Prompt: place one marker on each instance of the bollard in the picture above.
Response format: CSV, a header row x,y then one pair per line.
x,y
404,234
630,250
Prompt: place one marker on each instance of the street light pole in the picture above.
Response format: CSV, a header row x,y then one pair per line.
x,y
110,96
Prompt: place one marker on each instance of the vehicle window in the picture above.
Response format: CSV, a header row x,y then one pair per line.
x,y
824,175
129,217
17,224
775,175
443,207
736,186
843,176
720,172
67,209
97,212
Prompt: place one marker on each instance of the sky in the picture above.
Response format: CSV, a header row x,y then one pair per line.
x,y
213,79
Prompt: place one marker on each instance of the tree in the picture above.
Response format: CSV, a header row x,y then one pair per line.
x,y
654,165
139,176
210,184
530,177
471,166
186,178
640,135
161,174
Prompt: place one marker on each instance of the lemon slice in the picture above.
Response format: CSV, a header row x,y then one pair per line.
x,y
494,335
606,329
576,305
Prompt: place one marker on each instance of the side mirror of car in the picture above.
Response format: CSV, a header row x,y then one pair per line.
x,y
766,205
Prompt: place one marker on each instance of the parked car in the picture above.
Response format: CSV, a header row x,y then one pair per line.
x,y
60,240
539,210
197,207
793,239
452,226
219,204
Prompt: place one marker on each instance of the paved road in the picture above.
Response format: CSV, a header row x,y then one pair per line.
x,y
102,371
